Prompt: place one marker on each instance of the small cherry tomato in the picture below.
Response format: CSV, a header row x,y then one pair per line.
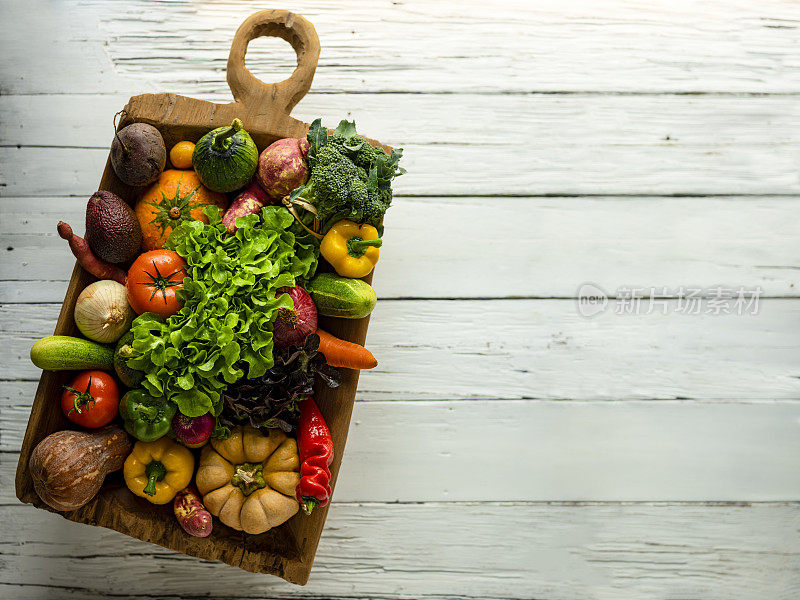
x,y
91,399
181,155
153,279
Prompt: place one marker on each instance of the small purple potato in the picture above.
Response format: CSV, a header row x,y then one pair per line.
x,y
191,514
138,154
282,166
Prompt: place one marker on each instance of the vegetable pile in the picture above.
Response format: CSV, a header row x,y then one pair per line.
x,y
223,332
201,347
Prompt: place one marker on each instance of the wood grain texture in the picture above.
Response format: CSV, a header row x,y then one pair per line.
x,y
443,550
580,86
279,98
426,47
541,349
551,247
541,144
498,450
660,122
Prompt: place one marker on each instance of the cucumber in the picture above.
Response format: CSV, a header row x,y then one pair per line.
x,y
132,378
66,353
342,297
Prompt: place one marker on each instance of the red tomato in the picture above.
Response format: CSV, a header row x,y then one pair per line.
x,y
153,279
91,399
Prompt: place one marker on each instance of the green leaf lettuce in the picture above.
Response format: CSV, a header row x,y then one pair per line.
x,y
224,330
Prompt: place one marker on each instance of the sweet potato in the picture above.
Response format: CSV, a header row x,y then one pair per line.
x,y
249,202
80,248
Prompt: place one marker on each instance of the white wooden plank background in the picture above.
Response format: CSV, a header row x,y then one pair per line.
x,y
540,349
548,144
554,245
505,446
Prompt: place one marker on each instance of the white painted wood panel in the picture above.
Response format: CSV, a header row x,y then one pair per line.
x,y
452,550
528,124
514,46
566,99
477,144
540,349
55,172
499,247
554,451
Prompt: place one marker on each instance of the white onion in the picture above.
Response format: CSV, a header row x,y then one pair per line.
x,y
102,312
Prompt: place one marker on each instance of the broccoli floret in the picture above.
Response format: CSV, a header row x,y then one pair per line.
x,y
331,175
350,179
360,151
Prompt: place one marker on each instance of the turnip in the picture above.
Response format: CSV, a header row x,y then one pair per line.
x,y
293,325
282,166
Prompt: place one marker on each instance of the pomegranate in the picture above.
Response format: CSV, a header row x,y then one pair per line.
x,y
293,325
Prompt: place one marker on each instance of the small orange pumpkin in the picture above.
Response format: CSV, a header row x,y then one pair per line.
x,y
176,197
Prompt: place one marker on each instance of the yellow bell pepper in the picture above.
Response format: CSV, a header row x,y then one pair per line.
x,y
351,249
158,470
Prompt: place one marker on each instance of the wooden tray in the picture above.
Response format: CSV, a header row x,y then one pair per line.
x,y
286,551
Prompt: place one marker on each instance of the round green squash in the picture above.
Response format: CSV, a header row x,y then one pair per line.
x,y
225,158
131,378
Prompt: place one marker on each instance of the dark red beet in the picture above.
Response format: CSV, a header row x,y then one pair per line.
x,y
292,326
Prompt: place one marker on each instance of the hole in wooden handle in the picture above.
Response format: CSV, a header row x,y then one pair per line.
x,y
258,96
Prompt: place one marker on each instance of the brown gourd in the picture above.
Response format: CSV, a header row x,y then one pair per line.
x,y
68,467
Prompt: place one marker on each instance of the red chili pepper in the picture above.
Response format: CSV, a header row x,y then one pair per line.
x,y
316,454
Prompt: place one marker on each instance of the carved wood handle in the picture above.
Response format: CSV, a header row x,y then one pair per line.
x,y
259,98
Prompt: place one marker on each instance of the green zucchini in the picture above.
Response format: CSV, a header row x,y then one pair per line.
x,y
66,353
336,296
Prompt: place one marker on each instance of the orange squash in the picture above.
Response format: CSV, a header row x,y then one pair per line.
x,y
176,197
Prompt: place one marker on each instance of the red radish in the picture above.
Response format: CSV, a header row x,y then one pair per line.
x,y
99,268
282,166
293,325
191,514
252,199
193,432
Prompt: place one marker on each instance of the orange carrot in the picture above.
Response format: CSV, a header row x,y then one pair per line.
x,y
340,353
